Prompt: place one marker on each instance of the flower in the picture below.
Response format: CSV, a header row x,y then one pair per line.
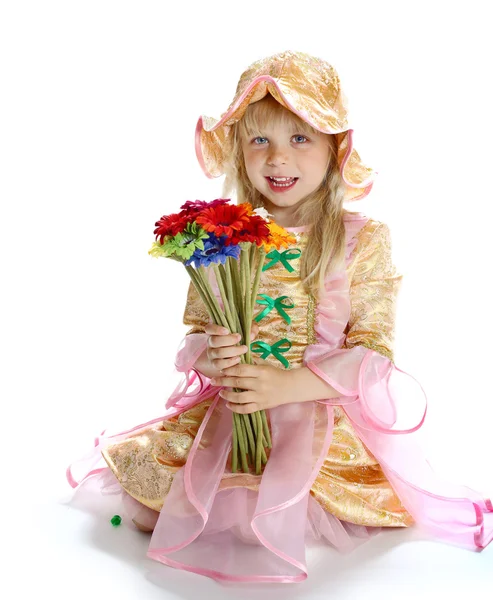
x,y
224,219
278,237
214,251
182,245
237,222
194,207
262,212
256,231
170,225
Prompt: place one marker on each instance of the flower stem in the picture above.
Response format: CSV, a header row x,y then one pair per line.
x,y
233,295
220,316
245,437
236,282
251,438
266,428
245,264
241,442
258,457
260,438
234,456
258,273
251,258
196,280
227,310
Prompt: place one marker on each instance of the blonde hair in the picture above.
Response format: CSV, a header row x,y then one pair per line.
x,y
322,210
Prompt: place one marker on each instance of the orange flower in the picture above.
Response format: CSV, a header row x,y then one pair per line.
x,y
278,237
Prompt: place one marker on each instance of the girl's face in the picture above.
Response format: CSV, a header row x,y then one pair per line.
x,y
281,151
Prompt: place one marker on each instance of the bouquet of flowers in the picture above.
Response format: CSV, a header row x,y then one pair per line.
x,y
233,240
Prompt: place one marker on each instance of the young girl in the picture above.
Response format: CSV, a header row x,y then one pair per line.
x,y
345,459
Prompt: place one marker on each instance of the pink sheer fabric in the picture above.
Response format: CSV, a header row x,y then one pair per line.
x,y
240,535
387,406
191,389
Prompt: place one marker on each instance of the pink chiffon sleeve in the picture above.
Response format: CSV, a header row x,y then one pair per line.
x,y
193,387
386,405
360,363
189,350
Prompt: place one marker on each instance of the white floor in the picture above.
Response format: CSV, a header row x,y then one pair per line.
x,y
74,552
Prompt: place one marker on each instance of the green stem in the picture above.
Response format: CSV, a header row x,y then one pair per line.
x,y
245,437
220,318
251,258
241,442
245,263
234,456
233,295
266,428
251,438
196,280
260,440
258,273
234,266
258,457
229,317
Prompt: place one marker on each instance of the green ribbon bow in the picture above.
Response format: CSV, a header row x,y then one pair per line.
x,y
276,350
277,304
276,256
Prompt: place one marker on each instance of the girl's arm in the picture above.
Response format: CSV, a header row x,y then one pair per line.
x,y
374,291
306,386
373,294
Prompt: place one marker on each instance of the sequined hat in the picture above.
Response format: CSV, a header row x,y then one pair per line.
x,y
307,86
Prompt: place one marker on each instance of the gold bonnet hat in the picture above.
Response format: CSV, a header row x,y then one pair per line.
x,y
305,85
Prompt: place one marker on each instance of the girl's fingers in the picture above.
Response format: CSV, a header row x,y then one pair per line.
x,y
242,409
224,363
222,341
214,329
226,352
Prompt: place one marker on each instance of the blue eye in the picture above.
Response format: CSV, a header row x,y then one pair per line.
x,y
262,138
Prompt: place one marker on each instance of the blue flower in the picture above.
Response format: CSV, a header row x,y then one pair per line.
x,y
214,252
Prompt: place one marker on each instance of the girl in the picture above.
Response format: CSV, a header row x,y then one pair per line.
x,y
345,461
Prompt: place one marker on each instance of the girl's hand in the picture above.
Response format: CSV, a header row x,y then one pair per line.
x,y
222,350
266,387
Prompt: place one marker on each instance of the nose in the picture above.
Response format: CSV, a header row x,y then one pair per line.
x,y
277,156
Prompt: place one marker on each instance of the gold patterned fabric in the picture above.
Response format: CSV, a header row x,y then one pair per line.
x,y
375,285
351,484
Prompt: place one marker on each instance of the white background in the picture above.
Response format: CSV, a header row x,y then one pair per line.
x,y
99,102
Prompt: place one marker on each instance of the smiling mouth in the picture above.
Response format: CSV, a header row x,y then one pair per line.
x,y
287,182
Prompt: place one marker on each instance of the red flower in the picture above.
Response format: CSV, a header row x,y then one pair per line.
x,y
199,205
170,225
255,231
224,219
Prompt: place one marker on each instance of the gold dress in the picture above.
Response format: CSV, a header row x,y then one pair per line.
x,y
351,484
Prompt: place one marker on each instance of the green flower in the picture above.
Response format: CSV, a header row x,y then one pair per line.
x,y
183,244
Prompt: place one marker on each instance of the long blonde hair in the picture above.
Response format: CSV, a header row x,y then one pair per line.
x,y
322,210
